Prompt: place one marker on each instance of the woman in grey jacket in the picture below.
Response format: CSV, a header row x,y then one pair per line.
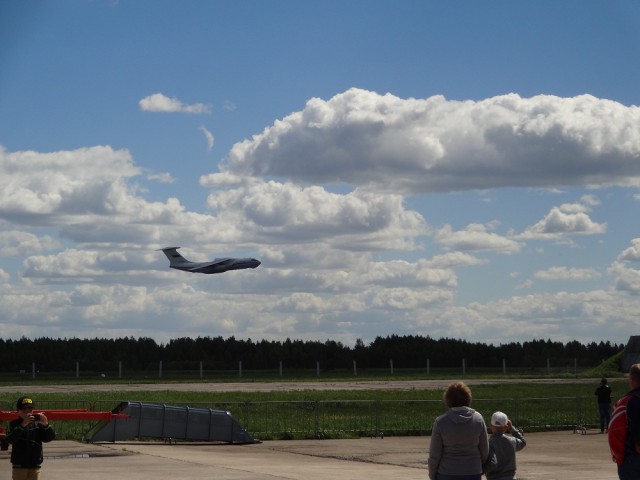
x,y
459,441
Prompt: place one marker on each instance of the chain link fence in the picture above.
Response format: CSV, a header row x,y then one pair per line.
x,y
280,420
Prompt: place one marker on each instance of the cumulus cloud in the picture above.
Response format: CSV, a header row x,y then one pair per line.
x,y
16,243
632,253
89,196
475,237
428,145
44,185
292,214
159,102
363,262
564,273
627,279
562,221
560,316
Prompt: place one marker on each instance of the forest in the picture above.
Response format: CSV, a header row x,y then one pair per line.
x,y
54,355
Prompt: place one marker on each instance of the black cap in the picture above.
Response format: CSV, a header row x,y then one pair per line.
x,y
25,402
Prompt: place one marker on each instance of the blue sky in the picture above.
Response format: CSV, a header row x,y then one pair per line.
x,y
455,169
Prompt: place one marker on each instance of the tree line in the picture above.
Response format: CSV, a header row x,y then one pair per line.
x,y
56,355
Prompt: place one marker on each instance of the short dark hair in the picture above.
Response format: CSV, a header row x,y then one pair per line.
x,y
457,395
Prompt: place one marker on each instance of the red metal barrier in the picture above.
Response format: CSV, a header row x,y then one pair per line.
x,y
67,414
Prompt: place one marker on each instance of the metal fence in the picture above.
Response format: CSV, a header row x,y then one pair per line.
x,y
275,420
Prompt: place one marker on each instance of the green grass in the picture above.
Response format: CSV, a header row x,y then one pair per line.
x,y
340,413
330,413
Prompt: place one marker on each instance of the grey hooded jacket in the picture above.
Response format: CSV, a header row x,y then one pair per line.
x,y
502,454
459,443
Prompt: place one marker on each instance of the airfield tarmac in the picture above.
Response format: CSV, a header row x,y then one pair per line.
x,y
550,455
273,386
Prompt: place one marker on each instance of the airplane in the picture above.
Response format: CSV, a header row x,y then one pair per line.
x,y
218,265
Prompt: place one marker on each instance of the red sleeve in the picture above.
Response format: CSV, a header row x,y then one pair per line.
x,y
618,430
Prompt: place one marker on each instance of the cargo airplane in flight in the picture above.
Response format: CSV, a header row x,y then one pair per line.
x,y
218,265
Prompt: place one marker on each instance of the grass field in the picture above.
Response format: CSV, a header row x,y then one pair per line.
x,y
344,413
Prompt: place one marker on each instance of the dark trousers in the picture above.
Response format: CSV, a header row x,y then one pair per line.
x,y
605,415
630,468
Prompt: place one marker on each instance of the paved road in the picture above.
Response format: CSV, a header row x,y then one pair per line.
x,y
548,456
272,386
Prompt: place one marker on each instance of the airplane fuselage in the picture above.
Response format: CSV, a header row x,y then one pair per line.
x,y
219,265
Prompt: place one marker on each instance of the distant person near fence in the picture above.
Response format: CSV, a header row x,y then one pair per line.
x,y
603,392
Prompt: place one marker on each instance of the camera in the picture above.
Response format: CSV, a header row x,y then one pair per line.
x,y
36,417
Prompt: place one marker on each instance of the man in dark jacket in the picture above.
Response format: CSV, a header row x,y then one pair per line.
x,y
603,392
26,435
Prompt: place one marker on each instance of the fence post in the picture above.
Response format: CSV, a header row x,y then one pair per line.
x,y
201,369
160,369
548,367
77,369
579,420
428,366
355,370
317,368
391,365
464,367
240,368
119,368
33,370
246,415
504,366
280,370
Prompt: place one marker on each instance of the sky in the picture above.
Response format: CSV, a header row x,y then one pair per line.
x,y
461,169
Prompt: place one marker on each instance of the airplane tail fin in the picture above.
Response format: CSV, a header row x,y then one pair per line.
x,y
174,257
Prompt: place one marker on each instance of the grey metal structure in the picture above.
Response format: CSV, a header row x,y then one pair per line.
x,y
631,353
151,420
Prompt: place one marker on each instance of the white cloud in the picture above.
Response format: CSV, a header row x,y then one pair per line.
x,y
159,102
475,237
208,136
437,145
16,243
42,185
558,224
627,279
632,253
456,259
564,273
289,213
359,263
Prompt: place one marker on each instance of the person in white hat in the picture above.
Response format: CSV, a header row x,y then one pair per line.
x,y
503,448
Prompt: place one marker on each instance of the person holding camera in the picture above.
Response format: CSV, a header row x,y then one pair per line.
x,y
26,435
